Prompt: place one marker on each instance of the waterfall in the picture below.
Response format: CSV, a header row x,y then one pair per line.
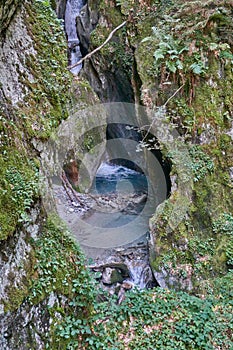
x,y
73,8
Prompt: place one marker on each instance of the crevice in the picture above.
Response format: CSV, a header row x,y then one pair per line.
x,y
136,81
112,83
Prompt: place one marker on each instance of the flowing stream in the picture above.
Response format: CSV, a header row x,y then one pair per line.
x,y
73,8
130,248
114,232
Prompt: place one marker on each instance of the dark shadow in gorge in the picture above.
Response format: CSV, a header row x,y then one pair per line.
x,y
116,85
123,131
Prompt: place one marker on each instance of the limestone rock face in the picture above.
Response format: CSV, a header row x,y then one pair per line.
x,y
17,47
106,75
7,11
86,23
15,253
16,269
36,93
61,8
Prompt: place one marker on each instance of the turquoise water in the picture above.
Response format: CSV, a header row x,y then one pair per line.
x,y
117,227
111,178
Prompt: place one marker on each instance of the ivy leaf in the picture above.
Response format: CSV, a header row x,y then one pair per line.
x,y
175,52
158,54
171,66
197,68
179,64
226,55
148,38
164,46
183,49
172,57
213,46
224,46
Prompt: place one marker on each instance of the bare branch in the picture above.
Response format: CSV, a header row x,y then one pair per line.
x,y
67,186
164,105
98,48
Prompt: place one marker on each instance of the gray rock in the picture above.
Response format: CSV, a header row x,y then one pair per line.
x,y
7,11
111,276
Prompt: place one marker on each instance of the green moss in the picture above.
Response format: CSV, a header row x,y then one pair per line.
x,y
15,297
46,103
19,187
59,262
117,54
16,294
101,32
60,268
82,94
186,47
44,106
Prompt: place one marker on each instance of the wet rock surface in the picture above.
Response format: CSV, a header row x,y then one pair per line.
x,y
7,11
124,268
85,204
120,268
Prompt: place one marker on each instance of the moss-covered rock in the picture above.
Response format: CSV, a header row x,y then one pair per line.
x,y
47,296
194,59
7,11
36,93
188,67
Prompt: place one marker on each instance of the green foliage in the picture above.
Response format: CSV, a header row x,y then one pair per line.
x,y
147,319
60,265
195,165
117,52
157,319
169,50
48,99
125,5
221,287
45,3
224,227
172,52
186,40
122,57
183,115
198,67
19,187
201,165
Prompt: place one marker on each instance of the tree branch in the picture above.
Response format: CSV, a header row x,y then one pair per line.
x,y
67,186
164,105
98,48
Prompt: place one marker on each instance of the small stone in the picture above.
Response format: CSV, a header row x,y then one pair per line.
x,y
111,276
127,285
106,276
121,295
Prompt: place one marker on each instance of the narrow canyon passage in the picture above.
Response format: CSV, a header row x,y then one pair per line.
x,y
112,223
116,224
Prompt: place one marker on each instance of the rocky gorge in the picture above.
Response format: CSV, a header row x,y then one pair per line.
x,y
173,58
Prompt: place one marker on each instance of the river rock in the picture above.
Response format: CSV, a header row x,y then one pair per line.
x,y
127,285
111,276
178,278
140,199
